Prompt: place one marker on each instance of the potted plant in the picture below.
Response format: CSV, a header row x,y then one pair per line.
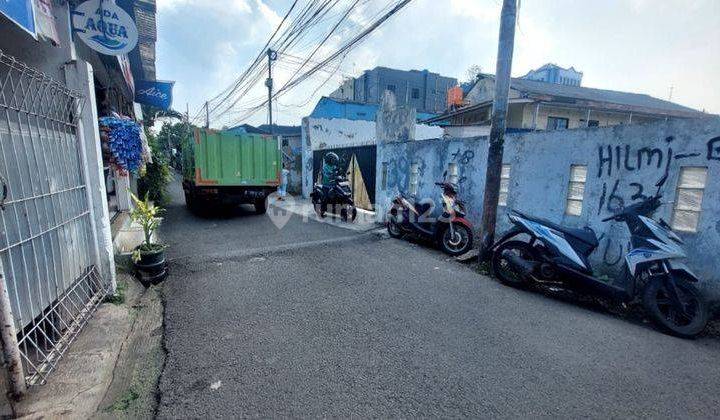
x,y
148,257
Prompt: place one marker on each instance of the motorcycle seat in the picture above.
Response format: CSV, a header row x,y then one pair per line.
x,y
585,234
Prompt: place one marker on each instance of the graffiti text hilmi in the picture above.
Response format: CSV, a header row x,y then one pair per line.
x,y
713,148
622,157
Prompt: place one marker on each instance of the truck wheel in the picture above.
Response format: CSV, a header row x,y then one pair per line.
x,y
190,202
261,206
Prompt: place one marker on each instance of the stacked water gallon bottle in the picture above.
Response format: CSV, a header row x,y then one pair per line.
x,y
125,143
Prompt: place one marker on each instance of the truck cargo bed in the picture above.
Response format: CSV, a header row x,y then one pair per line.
x,y
226,159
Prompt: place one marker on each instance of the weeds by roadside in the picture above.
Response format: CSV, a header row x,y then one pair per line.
x,y
483,268
124,401
119,297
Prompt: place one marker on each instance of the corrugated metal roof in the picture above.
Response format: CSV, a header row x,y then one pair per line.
x,y
598,95
282,130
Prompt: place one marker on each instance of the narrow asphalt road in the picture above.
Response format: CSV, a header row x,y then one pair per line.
x,y
315,320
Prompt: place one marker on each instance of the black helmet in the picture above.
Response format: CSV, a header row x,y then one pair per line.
x,y
331,158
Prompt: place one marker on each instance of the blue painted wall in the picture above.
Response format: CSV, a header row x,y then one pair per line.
x,y
540,171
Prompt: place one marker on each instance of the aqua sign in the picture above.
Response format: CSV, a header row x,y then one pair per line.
x,y
105,27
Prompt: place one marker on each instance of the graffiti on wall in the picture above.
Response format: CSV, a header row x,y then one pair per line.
x,y
462,159
617,191
713,148
613,160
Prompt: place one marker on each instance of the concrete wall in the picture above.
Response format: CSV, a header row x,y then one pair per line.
x,y
540,170
464,131
332,108
431,88
322,133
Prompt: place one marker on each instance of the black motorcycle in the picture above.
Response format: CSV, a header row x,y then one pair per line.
x,y
652,274
448,228
334,197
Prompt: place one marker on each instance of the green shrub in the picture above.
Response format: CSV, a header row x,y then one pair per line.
x,y
154,182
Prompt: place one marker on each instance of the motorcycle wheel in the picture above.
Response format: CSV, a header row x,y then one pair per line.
x,y
459,243
393,228
320,210
348,212
501,268
667,316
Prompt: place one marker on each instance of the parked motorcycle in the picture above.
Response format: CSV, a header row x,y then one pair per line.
x,y
651,274
336,197
451,231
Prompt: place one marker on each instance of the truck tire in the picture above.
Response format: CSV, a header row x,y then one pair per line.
x,y
190,202
260,206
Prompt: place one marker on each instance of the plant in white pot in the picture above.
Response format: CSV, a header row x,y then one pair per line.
x,y
149,256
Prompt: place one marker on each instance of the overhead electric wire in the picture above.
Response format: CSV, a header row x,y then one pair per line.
x,y
258,58
310,98
346,47
290,35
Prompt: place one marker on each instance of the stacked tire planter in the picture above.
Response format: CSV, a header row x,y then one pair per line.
x,y
148,258
152,267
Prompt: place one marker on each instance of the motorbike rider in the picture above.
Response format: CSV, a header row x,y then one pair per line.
x,y
330,169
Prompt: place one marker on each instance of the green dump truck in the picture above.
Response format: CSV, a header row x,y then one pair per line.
x,y
224,168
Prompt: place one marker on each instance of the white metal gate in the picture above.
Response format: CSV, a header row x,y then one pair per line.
x,y
47,243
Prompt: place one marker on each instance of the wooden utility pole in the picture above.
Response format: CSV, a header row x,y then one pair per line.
x,y
503,68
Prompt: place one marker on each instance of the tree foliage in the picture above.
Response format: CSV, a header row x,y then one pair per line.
x,y
153,184
472,73
151,113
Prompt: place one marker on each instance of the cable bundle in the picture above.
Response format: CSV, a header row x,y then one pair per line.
x,y
124,142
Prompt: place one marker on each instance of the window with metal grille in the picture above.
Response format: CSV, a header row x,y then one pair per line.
x,y
391,88
576,190
414,178
416,93
504,185
688,203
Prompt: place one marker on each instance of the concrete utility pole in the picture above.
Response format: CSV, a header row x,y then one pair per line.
x,y
503,68
207,115
272,56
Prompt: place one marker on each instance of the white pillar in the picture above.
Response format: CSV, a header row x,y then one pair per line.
x,y
122,187
79,76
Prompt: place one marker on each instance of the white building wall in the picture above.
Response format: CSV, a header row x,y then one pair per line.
x,y
323,133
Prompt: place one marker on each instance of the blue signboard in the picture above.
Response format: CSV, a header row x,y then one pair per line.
x,y
154,93
21,12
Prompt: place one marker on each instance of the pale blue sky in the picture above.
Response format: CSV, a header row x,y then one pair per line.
x,y
642,46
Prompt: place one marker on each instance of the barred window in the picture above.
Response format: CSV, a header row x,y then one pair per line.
x,y
504,185
576,190
688,202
